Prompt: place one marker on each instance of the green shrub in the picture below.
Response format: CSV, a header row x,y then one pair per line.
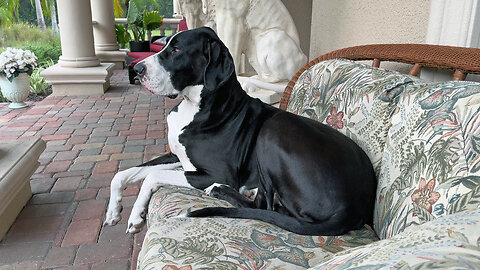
x,y
44,44
38,85
22,33
44,52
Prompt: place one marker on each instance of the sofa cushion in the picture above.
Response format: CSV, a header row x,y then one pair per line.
x,y
449,242
431,162
221,243
354,98
172,201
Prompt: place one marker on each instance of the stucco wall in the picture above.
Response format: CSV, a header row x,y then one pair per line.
x,y
344,23
302,17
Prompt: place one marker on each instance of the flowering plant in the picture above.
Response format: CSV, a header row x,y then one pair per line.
x,y
15,61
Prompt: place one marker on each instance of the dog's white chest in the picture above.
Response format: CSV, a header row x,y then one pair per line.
x,y
178,120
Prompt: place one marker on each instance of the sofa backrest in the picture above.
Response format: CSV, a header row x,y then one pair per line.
x,y
414,133
353,98
431,160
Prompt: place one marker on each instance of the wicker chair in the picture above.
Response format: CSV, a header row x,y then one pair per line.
x,y
461,60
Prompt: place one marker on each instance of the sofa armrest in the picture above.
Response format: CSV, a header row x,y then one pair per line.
x,y
451,242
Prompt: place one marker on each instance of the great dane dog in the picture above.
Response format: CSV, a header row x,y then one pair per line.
x,y
310,178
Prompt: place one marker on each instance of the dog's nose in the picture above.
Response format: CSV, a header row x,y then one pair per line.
x,y
140,69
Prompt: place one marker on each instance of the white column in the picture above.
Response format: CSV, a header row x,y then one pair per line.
x,y
106,46
104,25
76,34
79,71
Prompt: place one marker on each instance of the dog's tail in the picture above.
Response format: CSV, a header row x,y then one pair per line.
x,y
326,228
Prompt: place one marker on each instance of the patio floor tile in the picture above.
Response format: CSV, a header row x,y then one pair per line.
x,y
89,139
82,232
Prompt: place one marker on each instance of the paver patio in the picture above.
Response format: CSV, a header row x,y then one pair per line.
x,y
89,138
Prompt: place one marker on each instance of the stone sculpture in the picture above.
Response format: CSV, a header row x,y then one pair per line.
x,y
263,30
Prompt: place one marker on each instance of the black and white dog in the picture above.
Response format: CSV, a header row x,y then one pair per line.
x,y
310,179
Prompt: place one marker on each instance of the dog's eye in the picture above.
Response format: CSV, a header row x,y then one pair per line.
x,y
176,49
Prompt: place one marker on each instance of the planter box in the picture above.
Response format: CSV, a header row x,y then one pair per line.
x,y
18,161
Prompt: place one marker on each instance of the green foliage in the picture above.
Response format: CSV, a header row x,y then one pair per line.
x,y
123,36
45,52
152,20
21,33
38,85
44,44
141,20
28,14
8,12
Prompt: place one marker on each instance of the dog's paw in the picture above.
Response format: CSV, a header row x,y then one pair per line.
x,y
112,216
136,221
211,189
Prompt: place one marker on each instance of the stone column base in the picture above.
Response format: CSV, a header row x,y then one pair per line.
x,y
115,57
78,81
19,161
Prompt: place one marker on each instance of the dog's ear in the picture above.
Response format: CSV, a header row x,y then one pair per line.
x,y
220,64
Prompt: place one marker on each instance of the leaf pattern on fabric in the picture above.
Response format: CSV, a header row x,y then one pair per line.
x,y
346,95
294,256
265,240
218,243
448,242
301,240
433,136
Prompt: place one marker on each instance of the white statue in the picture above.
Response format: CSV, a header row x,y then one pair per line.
x,y
264,31
193,13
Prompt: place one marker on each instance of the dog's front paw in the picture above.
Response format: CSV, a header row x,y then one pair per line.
x,y
112,216
136,221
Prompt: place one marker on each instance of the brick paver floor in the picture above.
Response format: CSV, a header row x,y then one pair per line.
x,y
89,138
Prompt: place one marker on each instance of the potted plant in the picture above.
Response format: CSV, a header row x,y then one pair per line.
x,y
16,66
140,22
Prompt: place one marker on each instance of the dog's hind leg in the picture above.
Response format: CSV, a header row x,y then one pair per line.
x,y
229,194
151,184
131,176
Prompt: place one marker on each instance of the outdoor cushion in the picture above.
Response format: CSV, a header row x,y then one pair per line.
x,y
354,98
430,167
139,54
182,25
139,57
221,243
449,242
156,47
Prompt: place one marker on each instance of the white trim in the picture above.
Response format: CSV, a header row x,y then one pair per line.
x,y
452,23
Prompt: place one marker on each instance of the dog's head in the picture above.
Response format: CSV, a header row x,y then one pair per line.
x,y
189,58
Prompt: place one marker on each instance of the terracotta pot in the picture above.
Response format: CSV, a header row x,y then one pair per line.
x,y
16,91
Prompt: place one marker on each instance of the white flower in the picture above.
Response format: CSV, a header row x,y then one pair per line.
x,y
12,60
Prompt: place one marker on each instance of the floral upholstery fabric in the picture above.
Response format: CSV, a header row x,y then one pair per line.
x,y
220,243
353,98
431,162
448,242
173,201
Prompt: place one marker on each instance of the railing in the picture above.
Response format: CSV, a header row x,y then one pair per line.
x,y
172,22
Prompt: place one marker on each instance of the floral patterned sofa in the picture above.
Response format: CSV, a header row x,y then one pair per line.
x,y
424,141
